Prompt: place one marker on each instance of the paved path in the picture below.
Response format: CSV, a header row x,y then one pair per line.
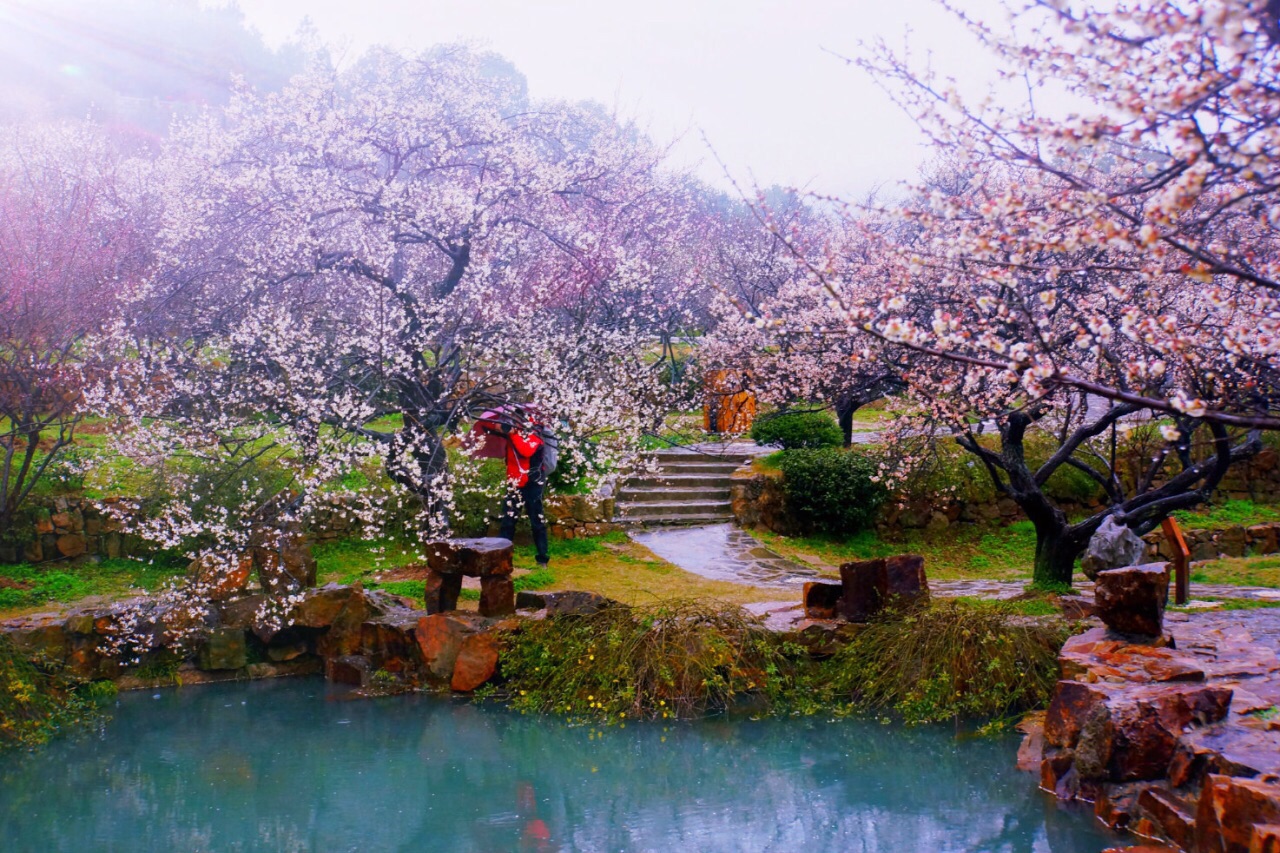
x,y
724,552
727,553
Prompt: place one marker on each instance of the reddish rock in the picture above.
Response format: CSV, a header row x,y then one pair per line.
x,y
1262,539
1072,704
440,593
1031,750
871,585
439,639
475,558
71,545
1058,774
822,600
1096,655
1131,600
344,634
497,596
321,606
476,663
1230,809
388,642
1266,839
1173,816
1137,732
864,585
906,580
353,670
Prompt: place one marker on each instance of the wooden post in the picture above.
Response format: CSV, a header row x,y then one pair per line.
x,y
1181,560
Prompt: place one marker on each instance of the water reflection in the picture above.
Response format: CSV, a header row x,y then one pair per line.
x,y
290,767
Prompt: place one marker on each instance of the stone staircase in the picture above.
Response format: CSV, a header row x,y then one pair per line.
x,y
692,488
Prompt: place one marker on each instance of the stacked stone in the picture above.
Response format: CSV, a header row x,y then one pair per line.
x,y
1163,741
488,559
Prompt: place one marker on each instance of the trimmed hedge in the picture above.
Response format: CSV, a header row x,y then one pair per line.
x,y
793,430
830,490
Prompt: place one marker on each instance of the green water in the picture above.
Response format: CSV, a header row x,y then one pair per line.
x,y
292,766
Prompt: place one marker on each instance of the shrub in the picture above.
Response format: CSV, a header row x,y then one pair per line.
x,y
794,430
830,490
38,699
952,660
676,659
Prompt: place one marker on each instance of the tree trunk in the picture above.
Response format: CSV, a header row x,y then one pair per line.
x,y
844,415
1055,554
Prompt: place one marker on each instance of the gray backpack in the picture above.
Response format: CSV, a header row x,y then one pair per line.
x,y
550,448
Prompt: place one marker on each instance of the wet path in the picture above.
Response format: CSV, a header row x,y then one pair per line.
x,y
725,553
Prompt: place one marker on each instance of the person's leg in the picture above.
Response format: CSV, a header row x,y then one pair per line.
x,y
532,494
510,512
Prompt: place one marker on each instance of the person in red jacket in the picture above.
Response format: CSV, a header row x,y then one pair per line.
x,y
526,480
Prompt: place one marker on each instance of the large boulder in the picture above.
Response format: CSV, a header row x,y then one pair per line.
x,y
1233,811
1124,733
1113,546
476,663
1131,600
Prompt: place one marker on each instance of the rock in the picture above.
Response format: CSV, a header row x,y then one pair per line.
x,y
441,592
353,670
218,577
292,651
822,600
1266,839
1031,750
388,642
864,583
497,596
475,558
71,545
1134,734
476,663
1075,607
1262,539
1131,600
1099,656
225,648
871,585
1230,809
321,606
344,636
567,603
1174,816
1113,546
439,637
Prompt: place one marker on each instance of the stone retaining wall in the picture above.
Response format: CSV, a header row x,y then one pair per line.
x,y
758,502
65,528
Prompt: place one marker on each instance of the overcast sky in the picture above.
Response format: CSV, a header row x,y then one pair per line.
x,y
757,77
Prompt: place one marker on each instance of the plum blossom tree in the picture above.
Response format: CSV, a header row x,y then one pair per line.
x,y
1128,254
355,267
73,236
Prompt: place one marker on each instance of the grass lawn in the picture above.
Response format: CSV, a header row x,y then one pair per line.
x,y
611,565
959,552
26,588
1242,571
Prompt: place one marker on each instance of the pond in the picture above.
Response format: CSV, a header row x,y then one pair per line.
x,y
292,765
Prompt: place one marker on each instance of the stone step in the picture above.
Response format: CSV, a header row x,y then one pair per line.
x,y
699,467
680,481
678,520
679,456
666,508
660,493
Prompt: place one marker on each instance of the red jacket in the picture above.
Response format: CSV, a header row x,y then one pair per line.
x,y
521,446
